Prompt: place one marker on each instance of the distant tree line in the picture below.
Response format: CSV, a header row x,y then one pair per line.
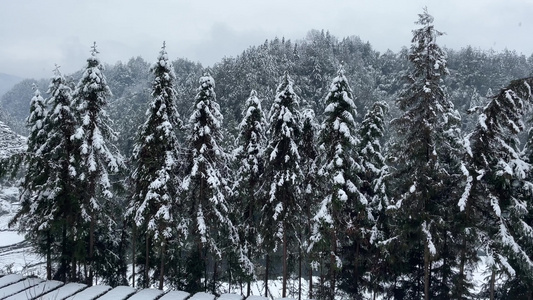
x,y
365,178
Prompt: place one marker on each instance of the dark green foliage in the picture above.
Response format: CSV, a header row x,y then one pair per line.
x,y
96,159
154,205
281,190
341,218
496,202
427,159
249,162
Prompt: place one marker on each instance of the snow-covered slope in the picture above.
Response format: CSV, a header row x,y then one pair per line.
x,y
10,142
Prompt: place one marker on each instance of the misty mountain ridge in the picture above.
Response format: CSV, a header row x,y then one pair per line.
x,y
312,62
7,82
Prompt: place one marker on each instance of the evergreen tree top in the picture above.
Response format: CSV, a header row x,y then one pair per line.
x,y
285,86
424,18
206,81
253,100
425,54
36,92
57,72
340,72
163,62
253,94
37,113
93,50
253,116
93,62
58,86
340,96
340,84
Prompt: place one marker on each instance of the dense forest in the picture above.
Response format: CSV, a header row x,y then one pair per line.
x,y
320,162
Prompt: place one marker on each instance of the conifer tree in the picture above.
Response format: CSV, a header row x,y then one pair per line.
x,y
282,206
62,179
35,206
496,201
53,212
339,221
426,160
310,188
374,175
98,158
205,188
249,157
156,176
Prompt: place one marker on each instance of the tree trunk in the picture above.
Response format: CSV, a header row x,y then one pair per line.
x,y
356,264
91,250
300,272
73,276
215,270
49,256
267,265
461,283
133,252
64,262
147,262
427,270
310,294
492,283
333,266
162,266
284,284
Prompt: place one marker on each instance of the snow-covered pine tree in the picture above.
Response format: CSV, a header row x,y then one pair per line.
x,y
250,160
35,209
62,175
496,202
282,177
341,217
206,190
308,156
426,164
520,286
98,159
154,205
374,175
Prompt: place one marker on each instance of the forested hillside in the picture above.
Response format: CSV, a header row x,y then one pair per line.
x,y
319,162
312,63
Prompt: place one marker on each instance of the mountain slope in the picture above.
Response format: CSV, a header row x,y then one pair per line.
x,y
10,142
7,82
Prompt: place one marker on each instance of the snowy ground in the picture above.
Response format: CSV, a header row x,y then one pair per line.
x,y
15,254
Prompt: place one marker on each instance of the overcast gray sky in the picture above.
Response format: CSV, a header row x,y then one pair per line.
x,y
36,34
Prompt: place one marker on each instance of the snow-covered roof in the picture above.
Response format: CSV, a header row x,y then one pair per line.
x,y
15,286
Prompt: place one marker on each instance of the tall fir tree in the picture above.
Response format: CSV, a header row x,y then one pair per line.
x,y
374,175
282,177
310,188
496,201
206,191
62,178
155,204
341,218
249,156
98,158
32,218
426,152
55,212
